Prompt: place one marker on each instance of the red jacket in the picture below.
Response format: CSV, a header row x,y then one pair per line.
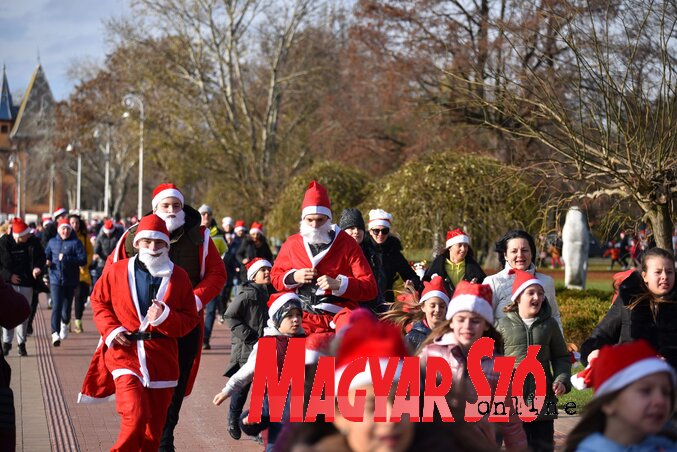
x,y
116,309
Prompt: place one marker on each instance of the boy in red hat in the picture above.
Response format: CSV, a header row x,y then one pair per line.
x,y
246,317
141,305
193,250
323,264
284,322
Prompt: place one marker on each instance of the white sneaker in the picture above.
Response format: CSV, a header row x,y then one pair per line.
x,y
64,331
56,340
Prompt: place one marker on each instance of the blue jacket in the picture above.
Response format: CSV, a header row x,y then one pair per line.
x,y
651,443
66,272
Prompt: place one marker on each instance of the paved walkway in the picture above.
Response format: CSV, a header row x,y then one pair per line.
x,y
46,384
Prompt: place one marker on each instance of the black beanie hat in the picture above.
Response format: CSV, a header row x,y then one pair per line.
x,y
351,218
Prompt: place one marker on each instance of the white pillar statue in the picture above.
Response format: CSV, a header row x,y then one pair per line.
x,y
575,246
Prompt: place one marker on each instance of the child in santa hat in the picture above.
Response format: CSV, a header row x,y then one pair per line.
x,y
285,313
470,316
529,321
423,314
246,317
634,399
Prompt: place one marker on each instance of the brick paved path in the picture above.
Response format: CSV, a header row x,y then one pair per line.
x,y
46,384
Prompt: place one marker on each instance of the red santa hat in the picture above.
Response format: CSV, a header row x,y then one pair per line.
x,y
521,282
255,265
239,226
163,191
46,219
434,288
379,217
59,211
19,228
279,301
316,201
317,346
365,336
63,223
457,236
256,228
152,227
619,365
472,298
108,226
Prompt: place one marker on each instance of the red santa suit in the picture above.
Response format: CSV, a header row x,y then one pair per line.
x,y
141,377
343,260
212,279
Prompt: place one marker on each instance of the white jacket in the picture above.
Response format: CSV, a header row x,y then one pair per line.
x,y
501,286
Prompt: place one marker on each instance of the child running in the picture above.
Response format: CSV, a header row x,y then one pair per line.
x,y
470,316
634,399
285,313
422,315
528,321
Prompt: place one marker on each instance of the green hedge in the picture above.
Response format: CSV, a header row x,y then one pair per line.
x,y
581,311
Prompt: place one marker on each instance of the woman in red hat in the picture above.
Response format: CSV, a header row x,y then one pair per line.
x,y
456,262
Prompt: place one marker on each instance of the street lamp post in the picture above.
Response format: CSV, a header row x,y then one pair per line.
x,y
71,148
106,188
15,160
135,102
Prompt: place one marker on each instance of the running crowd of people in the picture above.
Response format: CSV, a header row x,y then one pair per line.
x,y
157,287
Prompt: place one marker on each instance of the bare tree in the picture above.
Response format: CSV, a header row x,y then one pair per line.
x,y
604,106
221,88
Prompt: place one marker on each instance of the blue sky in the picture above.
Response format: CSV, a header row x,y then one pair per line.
x,y
63,31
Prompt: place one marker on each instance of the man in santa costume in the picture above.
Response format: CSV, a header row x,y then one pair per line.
x,y
323,264
141,305
193,250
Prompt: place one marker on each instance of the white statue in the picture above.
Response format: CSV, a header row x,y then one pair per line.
x,y
575,246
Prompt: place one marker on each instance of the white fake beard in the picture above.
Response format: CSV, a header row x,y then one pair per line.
x,y
173,221
157,262
316,236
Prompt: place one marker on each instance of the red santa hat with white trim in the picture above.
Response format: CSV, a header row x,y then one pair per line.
x,y
379,217
239,226
256,264
472,298
365,336
19,228
46,219
619,365
108,226
316,201
256,228
152,227
166,190
434,288
281,302
59,211
522,281
457,236
63,223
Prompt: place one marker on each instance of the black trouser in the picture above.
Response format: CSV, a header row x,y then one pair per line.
x,y
79,299
540,435
34,308
189,346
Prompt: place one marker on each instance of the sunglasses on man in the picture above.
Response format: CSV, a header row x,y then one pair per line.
x,y
384,231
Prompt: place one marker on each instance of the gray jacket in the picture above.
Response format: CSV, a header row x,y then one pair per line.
x,y
246,316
